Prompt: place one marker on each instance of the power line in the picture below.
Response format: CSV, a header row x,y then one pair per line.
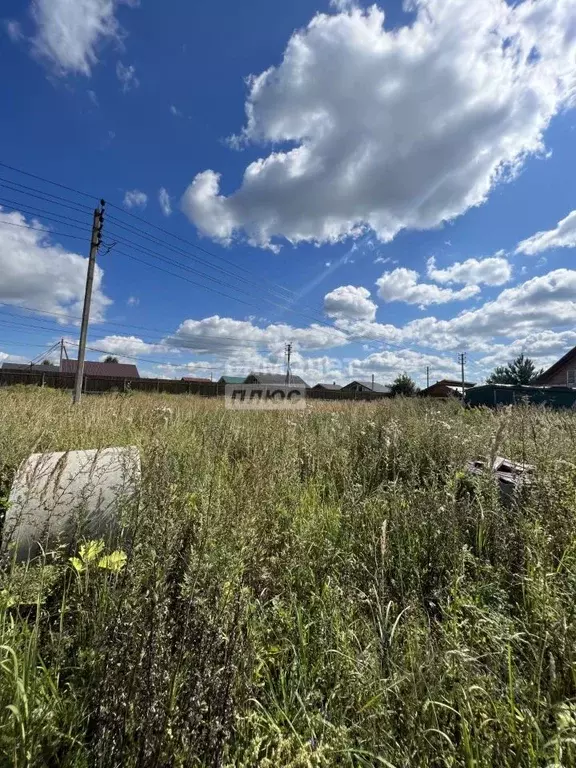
x,y
41,194
41,229
181,277
31,328
174,364
48,181
194,245
132,215
172,262
144,235
14,205
144,221
164,333
164,231
147,236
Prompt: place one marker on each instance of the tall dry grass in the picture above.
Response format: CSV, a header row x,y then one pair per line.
x,y
325,588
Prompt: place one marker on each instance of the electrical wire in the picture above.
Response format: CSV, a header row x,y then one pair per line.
x,y
147,236
14,205
48,181
143,221
223,341
65,219
150,238
41,194
41,229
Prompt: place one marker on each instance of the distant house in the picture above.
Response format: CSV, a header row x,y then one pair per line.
x,y
561,374
327,387
445,388
275,380
28,368
231,380
196,380
102,370
362,387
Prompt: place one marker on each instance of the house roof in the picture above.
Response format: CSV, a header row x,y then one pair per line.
x,y
26,367
332,387
232,379
568,358
105,370
451,384
275,379
455,383
196,380
376,387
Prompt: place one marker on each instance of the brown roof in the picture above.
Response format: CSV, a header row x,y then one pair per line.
x,y
368,386
329,387
450,383
105,370
445,388
558,365
29,368
196,380
455,383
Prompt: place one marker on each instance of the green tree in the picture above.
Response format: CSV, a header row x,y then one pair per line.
x,y
521,370
404,385
111,359
47,362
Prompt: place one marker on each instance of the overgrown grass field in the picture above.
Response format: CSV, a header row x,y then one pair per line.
x,y
325,588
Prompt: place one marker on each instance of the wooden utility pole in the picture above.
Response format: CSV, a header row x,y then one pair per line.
x,y
288,371
427,376
95,241
63,351
462,361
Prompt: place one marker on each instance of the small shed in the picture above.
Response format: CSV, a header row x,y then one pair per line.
x,y
196,380
445,388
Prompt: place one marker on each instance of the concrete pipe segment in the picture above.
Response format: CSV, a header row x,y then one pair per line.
x,y
60,498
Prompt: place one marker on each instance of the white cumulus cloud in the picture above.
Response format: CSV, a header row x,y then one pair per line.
x,y
127,346
165,202
393,128
134,198
38,272
69,33
351,302
223,335
402,285
543,303
562,236
495,270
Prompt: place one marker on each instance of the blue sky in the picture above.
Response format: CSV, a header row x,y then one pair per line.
x,y
382,188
